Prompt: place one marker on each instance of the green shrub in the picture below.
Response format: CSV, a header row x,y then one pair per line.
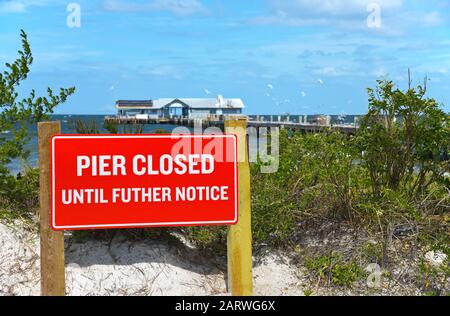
x,y
208,238
17,113
404,137
373,252
433,280
112,128
316,177
132,129
85,127
161,131
19,195
333,269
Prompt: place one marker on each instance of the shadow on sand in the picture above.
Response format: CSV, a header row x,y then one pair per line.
x,y
120,250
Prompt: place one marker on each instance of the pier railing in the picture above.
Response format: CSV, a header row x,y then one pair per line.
x,y
294,122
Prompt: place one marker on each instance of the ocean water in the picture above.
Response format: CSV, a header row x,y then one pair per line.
x,y
67,123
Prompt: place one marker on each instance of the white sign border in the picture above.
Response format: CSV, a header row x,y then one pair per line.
x,y
143,225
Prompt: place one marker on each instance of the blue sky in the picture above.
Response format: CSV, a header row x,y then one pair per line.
x,y
279,56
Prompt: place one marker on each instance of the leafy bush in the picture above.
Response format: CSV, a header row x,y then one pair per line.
x,y
434,279
16,116
331,175
384,176
208,238
91,128
333,269
161,131
316,177
391,172
20,194
85,127
404,137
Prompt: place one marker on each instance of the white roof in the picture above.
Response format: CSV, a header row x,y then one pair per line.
x,y
218,103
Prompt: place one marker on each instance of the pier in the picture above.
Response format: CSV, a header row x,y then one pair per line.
x,y
297,122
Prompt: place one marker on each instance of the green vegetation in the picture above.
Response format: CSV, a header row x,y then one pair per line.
x,y
91,127
393,150
308,292
434,279
390,175
161,131
21,198
373,252
16,115
332,268
85,127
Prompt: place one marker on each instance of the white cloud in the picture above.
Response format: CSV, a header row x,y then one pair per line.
x,y
349,14
331,7
380,72
398,17
12,7
330,71
433,19
19,6
163,71
327,71
177,7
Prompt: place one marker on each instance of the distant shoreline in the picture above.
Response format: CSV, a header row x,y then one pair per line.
x,y
245,114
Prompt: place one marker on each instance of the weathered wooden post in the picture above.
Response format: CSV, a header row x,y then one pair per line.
x,y
52,243
239,243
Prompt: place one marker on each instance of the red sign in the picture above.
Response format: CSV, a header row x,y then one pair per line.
x,y
103,182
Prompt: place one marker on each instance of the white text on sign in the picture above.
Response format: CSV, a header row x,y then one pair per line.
x,y
104,166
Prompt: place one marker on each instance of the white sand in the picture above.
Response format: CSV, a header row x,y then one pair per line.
x,y
122,267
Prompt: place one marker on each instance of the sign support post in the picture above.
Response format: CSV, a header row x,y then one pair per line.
x,y
52,243
239,241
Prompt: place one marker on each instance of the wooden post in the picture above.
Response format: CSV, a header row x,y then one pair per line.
x,y
239,243
52,243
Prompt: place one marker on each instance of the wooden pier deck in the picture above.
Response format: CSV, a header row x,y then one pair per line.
x,y
219,122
